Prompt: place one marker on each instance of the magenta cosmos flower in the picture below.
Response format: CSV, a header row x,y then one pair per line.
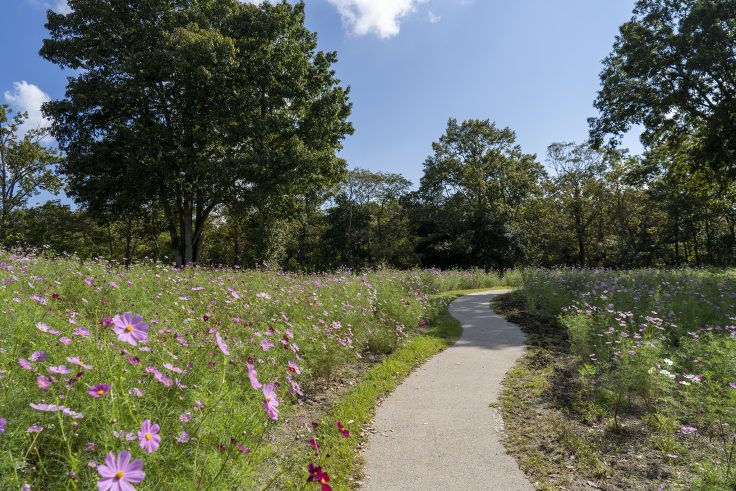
x,y
119,472
99,390
149,437
130,328
316,474
270,403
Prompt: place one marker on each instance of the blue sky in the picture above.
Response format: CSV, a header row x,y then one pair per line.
x,y
531,65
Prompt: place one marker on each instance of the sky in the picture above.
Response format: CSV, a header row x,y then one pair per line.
x,y
531,65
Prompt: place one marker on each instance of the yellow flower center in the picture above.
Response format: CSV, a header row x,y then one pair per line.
x,y
129,328
148,436
323,481
269,399
100,391
119,474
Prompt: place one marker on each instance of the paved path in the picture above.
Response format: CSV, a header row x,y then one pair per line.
x,y
437,431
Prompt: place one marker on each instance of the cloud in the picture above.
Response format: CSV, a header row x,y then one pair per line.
x,y
28,98
60,6
382,17
434,18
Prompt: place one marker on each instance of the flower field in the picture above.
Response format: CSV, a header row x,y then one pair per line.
x,y
657,347
157,378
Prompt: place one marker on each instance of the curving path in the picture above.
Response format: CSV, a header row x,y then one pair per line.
x,y
437,430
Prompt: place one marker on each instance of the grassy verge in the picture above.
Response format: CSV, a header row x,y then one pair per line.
x,y
356,407
557,442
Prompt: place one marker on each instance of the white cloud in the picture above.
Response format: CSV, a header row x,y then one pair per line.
x,y
434,18
60,6
28,98
382,17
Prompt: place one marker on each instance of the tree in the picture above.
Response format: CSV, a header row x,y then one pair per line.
x,y
192,104
577,186
473,192
26,166
672,70
368,222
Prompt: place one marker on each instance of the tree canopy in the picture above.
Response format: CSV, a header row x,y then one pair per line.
x,y
188,105
672,72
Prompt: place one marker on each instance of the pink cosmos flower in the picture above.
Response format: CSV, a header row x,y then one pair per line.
x,y
65,341
266,344
130,328
89,281
294,368
3,422
43,382
313,443
77,361
270,403
253,375
119,472
185,417
81,331
39,356
688,430
149,437
25,364
99,390
45,328
35,429
60,370
183,437
221,344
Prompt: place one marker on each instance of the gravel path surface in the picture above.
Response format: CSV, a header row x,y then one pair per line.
x,y
437,430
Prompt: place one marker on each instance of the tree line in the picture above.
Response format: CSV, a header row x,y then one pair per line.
x,y
207,131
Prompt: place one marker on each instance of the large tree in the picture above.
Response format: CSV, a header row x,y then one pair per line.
x,y
473,193
673,71
577,188
192,104
27,166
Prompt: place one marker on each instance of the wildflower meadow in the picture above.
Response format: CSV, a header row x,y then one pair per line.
x,y
657,346
153,377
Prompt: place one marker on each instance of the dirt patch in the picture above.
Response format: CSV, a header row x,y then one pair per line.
x,y
559,441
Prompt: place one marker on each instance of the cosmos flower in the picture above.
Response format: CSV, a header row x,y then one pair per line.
x,y
221,344
253,375
77,361
3,422
60,370
45,328
316,474
149,437
342,429
39,356
130,328
270,403
43,382
119,472
99,390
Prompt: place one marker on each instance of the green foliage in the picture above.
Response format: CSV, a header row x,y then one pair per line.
x,y
186,107
27,167
671,71
473,190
